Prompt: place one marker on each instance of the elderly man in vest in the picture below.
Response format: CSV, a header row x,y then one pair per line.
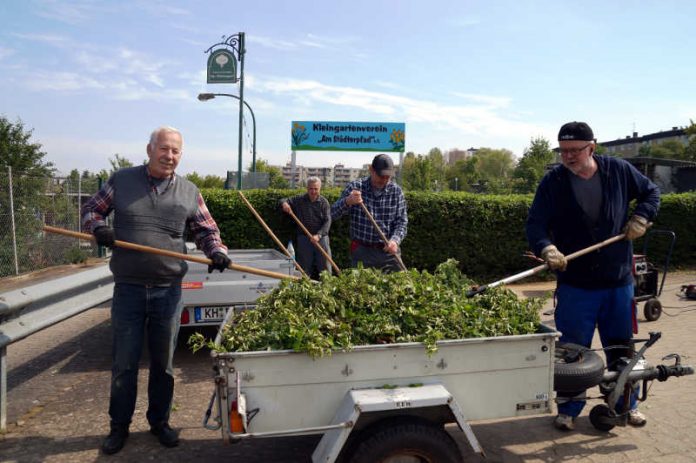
x,y
151,206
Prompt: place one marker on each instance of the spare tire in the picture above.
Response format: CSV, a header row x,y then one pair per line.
x,y
576,368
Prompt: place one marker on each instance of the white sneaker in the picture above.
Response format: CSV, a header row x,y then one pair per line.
x,y
636,418
564,422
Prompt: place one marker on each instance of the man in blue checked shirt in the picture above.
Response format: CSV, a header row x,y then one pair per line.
x,y
385,201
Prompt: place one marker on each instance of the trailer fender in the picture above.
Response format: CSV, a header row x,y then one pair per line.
x,y
388,405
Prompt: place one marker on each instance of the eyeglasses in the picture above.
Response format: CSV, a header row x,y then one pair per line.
x,y
573,150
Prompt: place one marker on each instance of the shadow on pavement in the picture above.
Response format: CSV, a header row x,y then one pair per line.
x,y
505,440
142,446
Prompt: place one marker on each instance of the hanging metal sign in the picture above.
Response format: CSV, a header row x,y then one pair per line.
x,y
222,67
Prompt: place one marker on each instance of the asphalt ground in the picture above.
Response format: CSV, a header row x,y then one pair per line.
x,y
58,388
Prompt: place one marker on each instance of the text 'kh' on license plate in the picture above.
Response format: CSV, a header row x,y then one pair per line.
x,y
210,314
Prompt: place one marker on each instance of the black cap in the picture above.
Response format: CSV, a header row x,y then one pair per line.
x,y
383,165
576,131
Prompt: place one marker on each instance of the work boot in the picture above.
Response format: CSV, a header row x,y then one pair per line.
x,y
636,418
166,435
564,422
115,440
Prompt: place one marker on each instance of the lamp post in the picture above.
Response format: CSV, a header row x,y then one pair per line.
x,y
456,183
210,96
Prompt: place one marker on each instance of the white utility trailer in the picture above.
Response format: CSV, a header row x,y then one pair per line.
x,y
384,402
208,297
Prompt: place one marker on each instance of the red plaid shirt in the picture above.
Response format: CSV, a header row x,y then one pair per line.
x,y
202,225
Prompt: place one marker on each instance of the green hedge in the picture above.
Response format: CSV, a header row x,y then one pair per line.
x,y
485,233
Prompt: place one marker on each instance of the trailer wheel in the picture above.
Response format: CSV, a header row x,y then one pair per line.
x,y
652,309
601,418
576,368
406,441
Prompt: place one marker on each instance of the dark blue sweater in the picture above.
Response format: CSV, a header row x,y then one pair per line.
x,y
556,218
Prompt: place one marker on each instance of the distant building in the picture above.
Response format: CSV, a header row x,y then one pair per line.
x,y
629,147
338,175
455,155
344,175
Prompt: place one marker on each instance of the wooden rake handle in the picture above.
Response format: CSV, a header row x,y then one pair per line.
x,y
270,232
381,234
164,252
317,245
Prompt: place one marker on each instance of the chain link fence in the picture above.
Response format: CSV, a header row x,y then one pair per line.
x,y
29,202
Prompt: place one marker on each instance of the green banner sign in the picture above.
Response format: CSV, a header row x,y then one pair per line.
x,y
222,67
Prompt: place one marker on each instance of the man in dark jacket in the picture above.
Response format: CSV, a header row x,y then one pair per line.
x,y
577,204
313,210
152,206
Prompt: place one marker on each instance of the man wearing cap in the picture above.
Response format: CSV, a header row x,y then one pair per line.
x,y
584,201
385,201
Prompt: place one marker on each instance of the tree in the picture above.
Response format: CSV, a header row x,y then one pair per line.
x,y
275,176
209,181
532,166
670,149
463,174
690,150
117,162
495,168
424,173
17,150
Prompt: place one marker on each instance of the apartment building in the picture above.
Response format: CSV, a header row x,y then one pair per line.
x,y
338,175
629,147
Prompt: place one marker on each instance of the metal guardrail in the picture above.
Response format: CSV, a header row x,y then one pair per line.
x,y
32,308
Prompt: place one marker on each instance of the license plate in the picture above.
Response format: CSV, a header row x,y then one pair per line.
x,y
210,314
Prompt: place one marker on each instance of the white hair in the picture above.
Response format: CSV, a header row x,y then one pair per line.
x,y
155,134
313,180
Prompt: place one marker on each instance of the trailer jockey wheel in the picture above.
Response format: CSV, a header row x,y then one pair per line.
x,y
652,309
602,418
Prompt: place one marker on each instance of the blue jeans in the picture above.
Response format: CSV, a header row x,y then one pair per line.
x,y
577,314
135,310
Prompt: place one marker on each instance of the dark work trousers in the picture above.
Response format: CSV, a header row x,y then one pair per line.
x,y
374,258
310,258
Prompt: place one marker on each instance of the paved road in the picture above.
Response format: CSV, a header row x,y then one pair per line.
x,y
58,398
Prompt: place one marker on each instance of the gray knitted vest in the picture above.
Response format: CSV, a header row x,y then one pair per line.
x,y
142,216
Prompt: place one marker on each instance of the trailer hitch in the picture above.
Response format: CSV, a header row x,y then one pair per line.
x,y
624,380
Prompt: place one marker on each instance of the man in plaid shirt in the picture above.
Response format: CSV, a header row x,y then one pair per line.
x,y
385,201
152,206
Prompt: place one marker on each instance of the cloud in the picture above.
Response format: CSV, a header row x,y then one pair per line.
x,y
127,73
490,118
494,101
60,82
311,41
50,39
6,52
71,11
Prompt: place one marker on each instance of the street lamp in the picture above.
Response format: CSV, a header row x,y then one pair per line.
x,y
210,96
456,183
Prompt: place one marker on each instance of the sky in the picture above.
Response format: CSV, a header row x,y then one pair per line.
x,y
93,78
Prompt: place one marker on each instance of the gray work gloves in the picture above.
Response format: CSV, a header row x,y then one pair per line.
x,y
220,262
554,258
635,227
104,236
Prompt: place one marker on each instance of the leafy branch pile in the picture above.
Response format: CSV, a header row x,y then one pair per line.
x,y
365,306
